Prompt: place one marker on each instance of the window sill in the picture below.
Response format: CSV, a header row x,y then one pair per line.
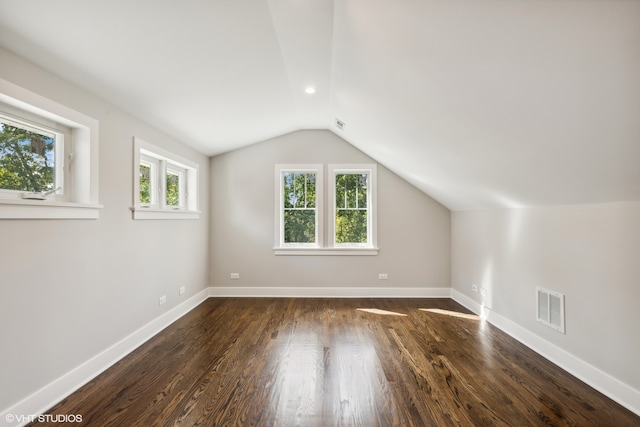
x,y
46,209
327,251
149,213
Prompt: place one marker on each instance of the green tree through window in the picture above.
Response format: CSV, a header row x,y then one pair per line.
x,y
27,159
173,189
299,207
351,208
145,184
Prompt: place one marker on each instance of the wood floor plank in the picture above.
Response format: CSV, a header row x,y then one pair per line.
x,y
337,362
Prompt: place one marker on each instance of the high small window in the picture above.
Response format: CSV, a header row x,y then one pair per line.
x,y
165,186
299,205
174,190
48,158
352,192
31,157
148,181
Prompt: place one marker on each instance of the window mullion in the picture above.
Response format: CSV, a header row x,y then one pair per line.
x,y
162,184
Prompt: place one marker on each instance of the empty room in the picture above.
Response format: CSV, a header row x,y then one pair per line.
x,y
320,213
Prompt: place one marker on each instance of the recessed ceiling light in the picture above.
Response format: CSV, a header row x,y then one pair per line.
x,y
310,90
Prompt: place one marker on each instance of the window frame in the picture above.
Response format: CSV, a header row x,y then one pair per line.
x,y
356,169
163,161
61,151
80,159
281,169
326,245
154,191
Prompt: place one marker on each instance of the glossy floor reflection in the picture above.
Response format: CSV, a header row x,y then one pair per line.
x,y
337,362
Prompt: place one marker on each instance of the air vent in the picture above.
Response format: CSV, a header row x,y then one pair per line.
x,y
551,309
340,124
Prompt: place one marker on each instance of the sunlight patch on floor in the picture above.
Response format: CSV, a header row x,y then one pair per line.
x,y
451,313
378,311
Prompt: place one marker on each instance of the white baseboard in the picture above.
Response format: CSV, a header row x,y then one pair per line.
x,y
52,393
49,395
594,377
329,292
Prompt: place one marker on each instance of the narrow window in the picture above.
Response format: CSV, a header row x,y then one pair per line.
x,y
353,196
148,181
298,205
174,191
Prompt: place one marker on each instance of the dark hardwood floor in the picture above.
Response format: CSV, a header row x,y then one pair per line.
x,y
337,362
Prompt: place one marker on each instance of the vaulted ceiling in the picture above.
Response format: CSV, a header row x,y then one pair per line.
x,y
480,104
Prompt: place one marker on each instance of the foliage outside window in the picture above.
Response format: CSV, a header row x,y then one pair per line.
x,y
353,196
350,214
49,158
146,178
28,160
163,184
351,208
298,205
173,190
299,199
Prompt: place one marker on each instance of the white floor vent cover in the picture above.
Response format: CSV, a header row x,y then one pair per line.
x,y
551,309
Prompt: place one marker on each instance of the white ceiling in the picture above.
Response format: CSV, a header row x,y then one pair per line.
x,y
483,103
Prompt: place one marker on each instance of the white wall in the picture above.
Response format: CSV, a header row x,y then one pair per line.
x,y
413,229
69,289
590,253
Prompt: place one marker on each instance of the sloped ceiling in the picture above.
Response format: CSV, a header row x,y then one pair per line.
x,y
478,103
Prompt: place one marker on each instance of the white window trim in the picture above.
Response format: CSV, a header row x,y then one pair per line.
x,y
34,123
372,232
330,248
154,166
279,203
165,159
81,196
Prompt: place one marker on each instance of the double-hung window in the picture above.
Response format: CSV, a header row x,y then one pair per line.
x,y
299,206
165,186
350,216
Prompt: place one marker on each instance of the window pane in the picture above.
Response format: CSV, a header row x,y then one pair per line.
x,y
351,191
173,189
351,208
351,226
145,184
362,180
299,226
27,159
299,190
299,207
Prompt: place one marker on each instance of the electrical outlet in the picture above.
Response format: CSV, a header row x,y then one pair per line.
x,y
383,276
181,290
474,288
163,299
235,276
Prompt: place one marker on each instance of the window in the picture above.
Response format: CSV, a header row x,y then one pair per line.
x,y
48,158
165,186
31,156
300,218
352,191
299,205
